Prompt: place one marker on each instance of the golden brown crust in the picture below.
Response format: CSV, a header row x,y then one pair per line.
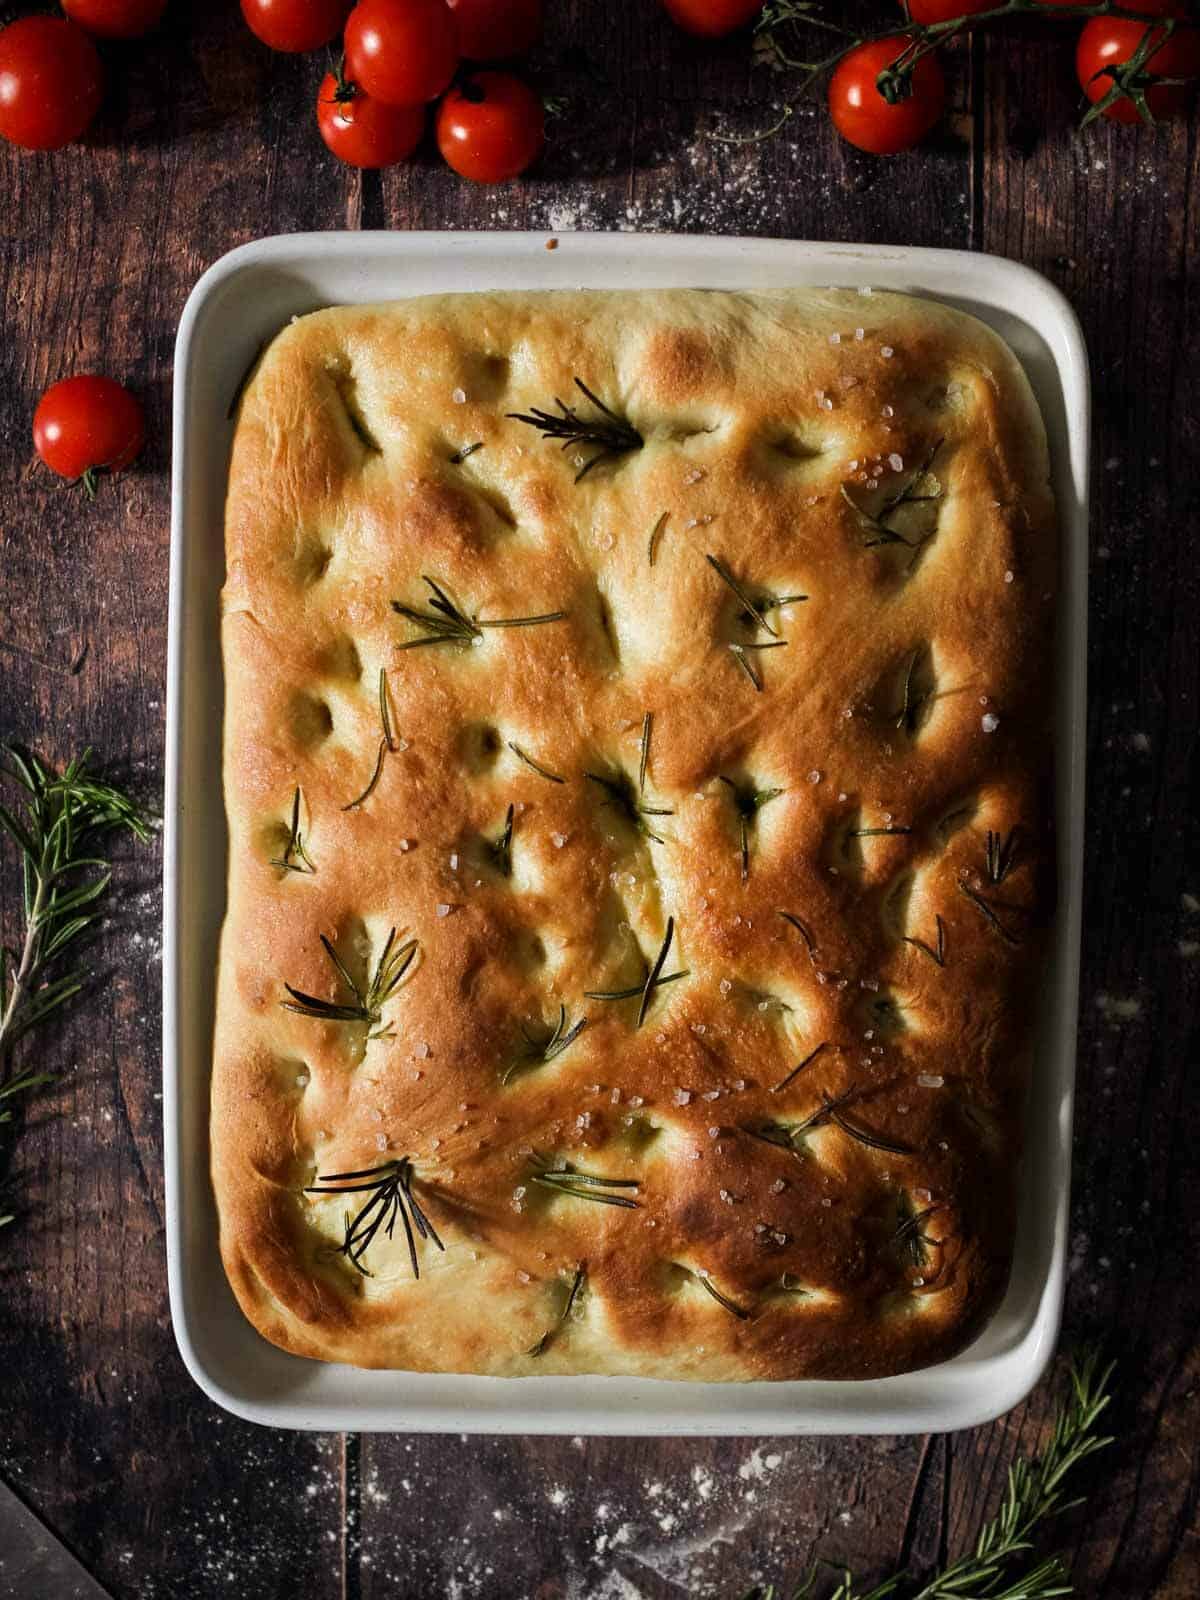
x,y
904,722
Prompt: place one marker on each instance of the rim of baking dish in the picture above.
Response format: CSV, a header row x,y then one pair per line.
x,y
249,1377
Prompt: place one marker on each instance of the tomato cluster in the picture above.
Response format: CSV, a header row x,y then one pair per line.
x,y
1128,68
398,56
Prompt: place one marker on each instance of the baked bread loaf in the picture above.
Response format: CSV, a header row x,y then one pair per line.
x,y
637,746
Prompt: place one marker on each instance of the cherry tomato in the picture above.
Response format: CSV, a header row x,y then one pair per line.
x,y
51,82
491,127
947,10
87,425
711,19
116,19
1112,41
295,25
861,114
494,30
402,52
364,132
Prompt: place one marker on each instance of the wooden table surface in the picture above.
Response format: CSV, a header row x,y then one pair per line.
x,y
207,141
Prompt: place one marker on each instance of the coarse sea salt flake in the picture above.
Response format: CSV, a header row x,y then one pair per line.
x,y
459,396
896,461
989,722
683,1097
930,1080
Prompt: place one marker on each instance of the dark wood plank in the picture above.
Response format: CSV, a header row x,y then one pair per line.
x,y
105,1433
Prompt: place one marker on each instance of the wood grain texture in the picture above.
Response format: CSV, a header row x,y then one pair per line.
x,y
205,142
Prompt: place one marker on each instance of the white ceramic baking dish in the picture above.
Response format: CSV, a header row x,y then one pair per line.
x,y
243,300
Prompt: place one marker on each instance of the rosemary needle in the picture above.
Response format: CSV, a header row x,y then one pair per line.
x,y
386,744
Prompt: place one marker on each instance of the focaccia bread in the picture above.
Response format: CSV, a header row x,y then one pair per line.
x,y
637,744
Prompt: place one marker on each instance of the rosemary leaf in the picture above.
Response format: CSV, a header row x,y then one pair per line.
x,y
568,1180
706,1283
935,953
523,755
799,1068
986,911
552,1332
655,535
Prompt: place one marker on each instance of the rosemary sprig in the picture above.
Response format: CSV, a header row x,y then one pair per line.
x,y
799,1068
748,802
500,849
622,795
294,857
540,1051
556,1328
1035,1493
445,622
735,1310
578,1185
654,979
536,766
390,1188
386,744
1001,854
935,953
59,829
878,526
394,961
908,1233
608,434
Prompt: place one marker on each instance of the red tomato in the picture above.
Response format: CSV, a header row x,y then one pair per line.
x,y
711,19
364,132
491,127
51,82
1112,41
402,52
493,30
83,426
947,10
295,25
861,114
116,19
